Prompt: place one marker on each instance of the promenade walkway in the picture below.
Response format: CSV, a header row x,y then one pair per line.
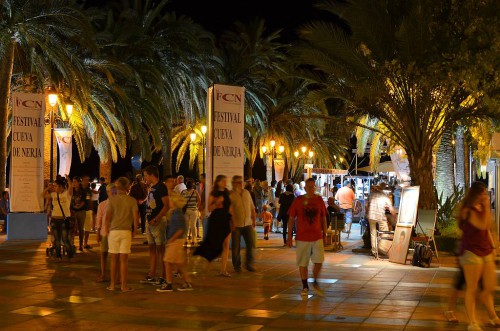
x,y
361,293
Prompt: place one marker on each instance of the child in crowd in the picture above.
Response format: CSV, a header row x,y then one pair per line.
x,y
175,256
267,218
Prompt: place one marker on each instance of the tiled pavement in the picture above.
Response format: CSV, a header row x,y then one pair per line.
x,y
39,294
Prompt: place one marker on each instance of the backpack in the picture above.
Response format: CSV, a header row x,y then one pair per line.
x,y
422,256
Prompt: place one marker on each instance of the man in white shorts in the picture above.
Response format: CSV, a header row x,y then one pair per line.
x,y
308,212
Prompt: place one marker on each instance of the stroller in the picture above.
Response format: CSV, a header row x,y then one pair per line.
x,y
51,250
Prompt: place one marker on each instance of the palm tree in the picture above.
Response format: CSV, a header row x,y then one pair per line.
x,y
157,75
384,69
40,38
295,118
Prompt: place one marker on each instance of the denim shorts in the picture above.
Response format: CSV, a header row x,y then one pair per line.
x,y
157,234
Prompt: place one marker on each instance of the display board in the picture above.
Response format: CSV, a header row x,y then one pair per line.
x,y
408,205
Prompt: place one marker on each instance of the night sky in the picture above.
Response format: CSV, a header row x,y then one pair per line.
x,y
219,15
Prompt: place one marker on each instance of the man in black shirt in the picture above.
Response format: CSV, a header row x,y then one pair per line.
x,y
139,191
89,214
103,195
157,205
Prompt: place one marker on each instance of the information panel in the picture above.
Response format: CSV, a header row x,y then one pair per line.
x,y
226,125
26,167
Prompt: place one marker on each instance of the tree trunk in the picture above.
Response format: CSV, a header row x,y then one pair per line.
x,y
269,167
445,177
167,153
467,164
105,170
286,170
421,174
248,171
6,66
460,157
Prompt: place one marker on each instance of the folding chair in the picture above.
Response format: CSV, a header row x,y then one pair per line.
x,y
426,222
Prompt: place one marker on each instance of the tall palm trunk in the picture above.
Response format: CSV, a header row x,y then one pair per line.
x,y
286,170
105,169
445,177
467,165
167,153
269,167
421,174
249,165
460,157
6,66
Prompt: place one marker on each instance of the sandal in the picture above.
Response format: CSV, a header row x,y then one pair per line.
x,y
494,323
129,289
225,274
101,279
109,288
450,316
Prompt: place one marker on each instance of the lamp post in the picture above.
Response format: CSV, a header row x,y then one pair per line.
x,y
52,102
272,152
52,119
193,136
304,155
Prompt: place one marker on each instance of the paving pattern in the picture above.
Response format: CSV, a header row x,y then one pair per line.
x,y
36,293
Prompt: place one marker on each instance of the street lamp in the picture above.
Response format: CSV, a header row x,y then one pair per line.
x,y
53,119
305,154
272,152
193,136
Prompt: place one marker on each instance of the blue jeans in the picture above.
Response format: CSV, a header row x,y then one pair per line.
x,y
60,229
248,235
348,215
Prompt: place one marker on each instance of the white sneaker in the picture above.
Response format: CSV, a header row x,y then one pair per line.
x,y
450,316
474,327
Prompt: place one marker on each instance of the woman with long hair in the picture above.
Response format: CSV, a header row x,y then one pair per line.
x,y
477,256
285,200
78,209
191,214
219,225
61,222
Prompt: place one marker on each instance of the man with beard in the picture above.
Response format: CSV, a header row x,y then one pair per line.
x,y
309,213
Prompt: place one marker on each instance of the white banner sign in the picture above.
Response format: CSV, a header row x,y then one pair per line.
x,y
64,142
26,162
279,169
226,122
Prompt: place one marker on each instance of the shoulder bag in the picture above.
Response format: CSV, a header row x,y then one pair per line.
x,y
184,209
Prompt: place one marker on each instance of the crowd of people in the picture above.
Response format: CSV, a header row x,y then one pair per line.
x,y
170,213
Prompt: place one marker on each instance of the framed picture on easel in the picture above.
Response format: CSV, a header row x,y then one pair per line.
x,y
400,244
408,205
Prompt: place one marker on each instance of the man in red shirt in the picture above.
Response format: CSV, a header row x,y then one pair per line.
x,y
309,213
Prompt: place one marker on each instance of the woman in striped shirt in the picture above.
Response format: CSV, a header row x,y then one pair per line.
x,y
192,202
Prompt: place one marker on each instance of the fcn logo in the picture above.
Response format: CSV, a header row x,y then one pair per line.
x,y
29,103
229,97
